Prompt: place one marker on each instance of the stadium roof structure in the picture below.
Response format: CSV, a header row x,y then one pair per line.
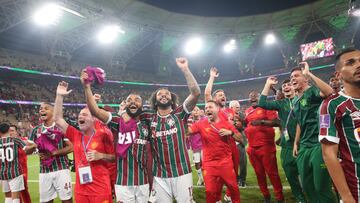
x,y
147,25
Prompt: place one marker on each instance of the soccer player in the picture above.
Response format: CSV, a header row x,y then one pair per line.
x,y
340,127
239,124
24,194
225,113
217,165
196,146
313,173
261,150
335,84
171,168
56,177
11,171
131,135
284,107
93,148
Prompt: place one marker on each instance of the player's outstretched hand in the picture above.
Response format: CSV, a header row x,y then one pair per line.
x,y
305,68
272,80
214,73
62,89
182,63
83,77
97,97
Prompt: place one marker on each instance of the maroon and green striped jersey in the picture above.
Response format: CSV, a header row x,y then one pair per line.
x,y
133,135
60,162
340,123
9,157
168,134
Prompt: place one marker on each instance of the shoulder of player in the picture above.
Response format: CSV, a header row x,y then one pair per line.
x,y
331,102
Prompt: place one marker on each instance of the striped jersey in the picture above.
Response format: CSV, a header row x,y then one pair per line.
x,y
167,139
60,162
340,123
133,135
9,157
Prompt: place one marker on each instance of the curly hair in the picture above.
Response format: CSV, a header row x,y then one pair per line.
x,y
153,105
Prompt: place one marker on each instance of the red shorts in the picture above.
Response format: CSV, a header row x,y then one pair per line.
x,y
93,199
215,177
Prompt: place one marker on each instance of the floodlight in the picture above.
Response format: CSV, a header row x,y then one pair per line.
x,y
354,8
49,14
270,39
230,46
109,33
193,45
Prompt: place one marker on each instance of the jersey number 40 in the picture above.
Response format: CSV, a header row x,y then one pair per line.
x,y
6,154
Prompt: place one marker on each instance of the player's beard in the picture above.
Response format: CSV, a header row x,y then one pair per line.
x,y
162,105
133,115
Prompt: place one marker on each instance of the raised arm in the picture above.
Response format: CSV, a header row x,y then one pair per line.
x,y
270,105
58,109
208,89
325,89
90,100
193,86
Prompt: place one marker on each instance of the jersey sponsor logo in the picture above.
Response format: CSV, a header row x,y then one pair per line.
x,y
140,141
166,132
126,138
355,115
325,121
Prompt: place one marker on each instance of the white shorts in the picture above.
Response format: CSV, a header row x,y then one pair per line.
x,y
55,182
132,194
13,185
181,188
197,157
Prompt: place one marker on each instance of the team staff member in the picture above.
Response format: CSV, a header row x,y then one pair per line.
x,y
340,128
262,150
284,107
314,176
92,148
217,165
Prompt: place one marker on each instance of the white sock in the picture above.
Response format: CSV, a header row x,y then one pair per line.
x,y
16,201
199,172
8,200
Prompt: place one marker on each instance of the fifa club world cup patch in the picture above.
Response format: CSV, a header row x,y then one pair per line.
x,y
325,121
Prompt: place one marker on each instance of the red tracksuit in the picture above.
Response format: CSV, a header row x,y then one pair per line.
x,y
218,168
228,114
24,194
262,150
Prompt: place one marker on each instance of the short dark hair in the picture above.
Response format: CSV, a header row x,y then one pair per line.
x,y
47,103
12,125
216,91
212,101
295,69
342,52
285,81
4,128
332,76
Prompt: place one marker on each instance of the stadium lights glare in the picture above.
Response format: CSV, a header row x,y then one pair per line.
x,y
193,45
109,33
48,14
270,39
354,9
230,46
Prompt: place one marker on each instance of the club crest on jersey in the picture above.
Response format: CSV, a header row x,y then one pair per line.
x,y
355,115
170,122
325,121
303,102
145,131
